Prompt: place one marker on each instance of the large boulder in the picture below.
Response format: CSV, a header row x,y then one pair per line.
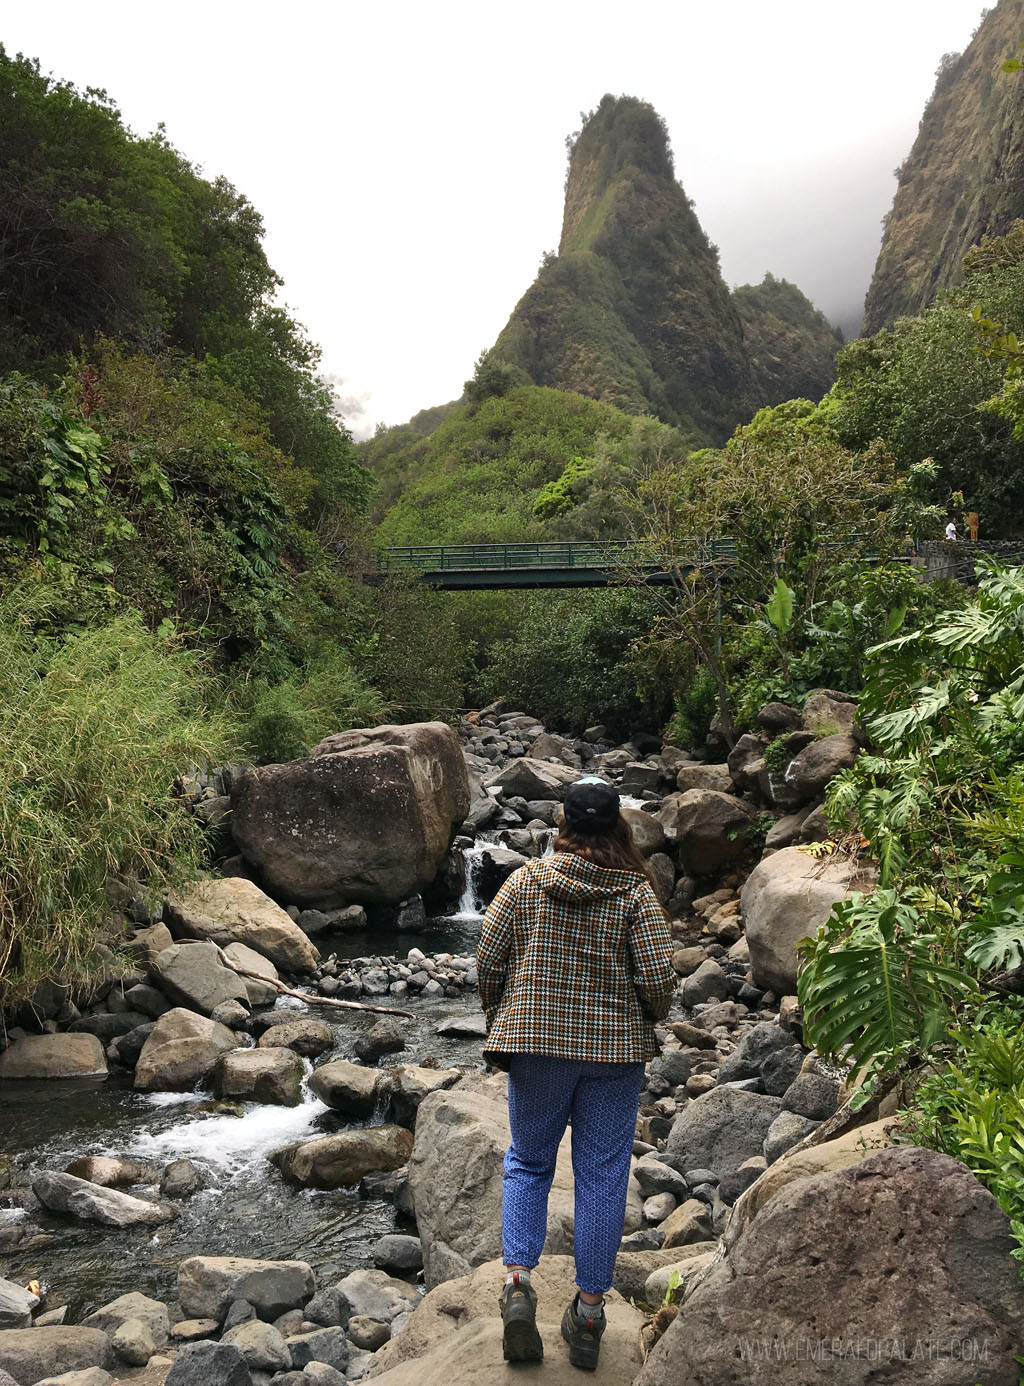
x,y
77,1198
809,772
17,1305
181,1051
367,817
648,834
454,1337
526,778
722,1129
341,1160
266,1075
352,1089
897,1268
110,1317
260,989
193,975
455,1176
786,898
827,712
54,1056
209,1285
30,1354
230,909
711,830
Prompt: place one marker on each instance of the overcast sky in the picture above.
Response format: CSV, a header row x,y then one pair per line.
x,y
408,158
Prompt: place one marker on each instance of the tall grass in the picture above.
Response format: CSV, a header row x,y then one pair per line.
x,y
94,727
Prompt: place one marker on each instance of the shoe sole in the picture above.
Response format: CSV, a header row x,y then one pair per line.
x,y
584,1357
521,1343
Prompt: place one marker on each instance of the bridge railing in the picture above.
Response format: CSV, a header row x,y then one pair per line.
x,y
602,554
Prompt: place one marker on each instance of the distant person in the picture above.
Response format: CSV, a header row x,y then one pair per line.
x,y
575,967
951,533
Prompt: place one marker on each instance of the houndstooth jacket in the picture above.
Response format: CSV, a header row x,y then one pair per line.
x,y
574,961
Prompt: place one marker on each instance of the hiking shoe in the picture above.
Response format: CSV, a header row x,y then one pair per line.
x,y
582,1326
520,1341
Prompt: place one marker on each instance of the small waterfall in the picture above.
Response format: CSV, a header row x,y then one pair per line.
x,y
470,904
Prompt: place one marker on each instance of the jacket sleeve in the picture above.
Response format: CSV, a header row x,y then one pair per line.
x,y
495,946
650,949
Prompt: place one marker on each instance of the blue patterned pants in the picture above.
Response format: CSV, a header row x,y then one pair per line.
x,y
544,1094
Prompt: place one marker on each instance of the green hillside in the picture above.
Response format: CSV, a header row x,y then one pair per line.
x,y
792,347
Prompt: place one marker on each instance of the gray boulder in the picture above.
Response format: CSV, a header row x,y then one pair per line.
x,y
260,989
696,776
786,898
826,711
786,1130
340,1161
707,983
193,975
77,1198
383,1037
711,830
945,1306
132,1306
209,1364
209,1285
526,778
17,1305
808,773
262,1346
754,1047
267,1075
54,1056
110,1172
813,1095
230,909
352,1089
30,1354
411,1084
307,1037
366,818
396,1252
648,834
373,1294
329,1345
722,1129
181,1051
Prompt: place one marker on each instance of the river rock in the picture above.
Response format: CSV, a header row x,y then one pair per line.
x,y
193,975
708,983
755,1046
209,1285
689,1223
915,1226
457,1329
711,830
260,989
125,1050
109,1172
494,866
54,1056
411,1084
340,1161
397,1252
262,1346
328,1345
786,898
77,1198
827,712
788,1129
722,1129
455,1175
648,834
147,944
383,1037
695,776
230,909
91,1376
181,1051
809,772
30,1354
133,1343
108,1025
352,1089
180,1179
367,1333
209,1364
366,818
527,778
141,1308
16,1305
146,1000
310,1038
780,1069
266,1075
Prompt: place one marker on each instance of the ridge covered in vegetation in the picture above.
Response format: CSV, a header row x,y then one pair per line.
x,y
964,177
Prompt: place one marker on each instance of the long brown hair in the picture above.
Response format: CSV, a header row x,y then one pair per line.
x,y
613,849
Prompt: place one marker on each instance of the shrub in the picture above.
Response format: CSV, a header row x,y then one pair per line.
x,y
285,720
95,727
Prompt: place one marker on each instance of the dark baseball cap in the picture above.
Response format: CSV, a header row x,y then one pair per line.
x,y
591,805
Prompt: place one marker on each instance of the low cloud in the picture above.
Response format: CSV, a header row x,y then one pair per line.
x,y
350,406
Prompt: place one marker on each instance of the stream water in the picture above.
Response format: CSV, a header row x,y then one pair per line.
x,y
245,1209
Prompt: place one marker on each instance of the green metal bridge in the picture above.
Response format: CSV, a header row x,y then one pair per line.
x,y
570,563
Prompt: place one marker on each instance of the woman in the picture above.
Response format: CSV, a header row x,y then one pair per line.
x,y
575,966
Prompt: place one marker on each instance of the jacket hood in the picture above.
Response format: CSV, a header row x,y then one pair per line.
x,y
566,876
